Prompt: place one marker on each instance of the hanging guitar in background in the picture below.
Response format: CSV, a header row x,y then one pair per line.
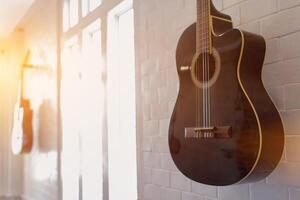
x,y
224,129
22,131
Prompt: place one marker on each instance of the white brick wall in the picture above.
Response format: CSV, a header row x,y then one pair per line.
x,y
159,23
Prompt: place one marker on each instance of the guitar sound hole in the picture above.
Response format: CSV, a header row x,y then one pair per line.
x,y
206,69
205,64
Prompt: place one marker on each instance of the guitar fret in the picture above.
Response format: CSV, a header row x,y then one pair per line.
x,y
202,32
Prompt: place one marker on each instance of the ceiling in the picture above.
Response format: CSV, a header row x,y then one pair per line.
x,y
11,12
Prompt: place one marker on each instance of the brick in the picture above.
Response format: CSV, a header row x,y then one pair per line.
x,y
289,46
167,163
218,4
166,60
159,111
206,190
234,192
292,96
172,6
282,73
147,175
272,51
227,3
281,23
283,4
158,79
171,194
294,194
149,66
235,14
278,96
146,112
286,174
261,191
171,108
160,144
164,127
160,177
291,122
253,27
172,76
147,192
145,84
152,160
150,96
151,128
292,149
191,196
167,94
147,143
146,7
180,182
209,198
255,9
181,23
151,192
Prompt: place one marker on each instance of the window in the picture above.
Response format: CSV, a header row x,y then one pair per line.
x,y
82,111
121,104
89,6
85,83
93,106
70,14
70,115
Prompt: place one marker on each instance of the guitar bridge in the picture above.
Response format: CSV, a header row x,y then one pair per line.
x,y
208,132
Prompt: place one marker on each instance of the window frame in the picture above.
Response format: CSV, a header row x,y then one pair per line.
x,y
64,34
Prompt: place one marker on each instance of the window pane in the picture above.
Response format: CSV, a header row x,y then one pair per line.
x,y
85,7
89,6
94,4
70,14
73,12
70,127
121,107
66,22
93,103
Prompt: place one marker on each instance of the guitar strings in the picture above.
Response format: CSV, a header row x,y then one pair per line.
x,y
197,70
205,46
198,53
197,44
203,64
208,61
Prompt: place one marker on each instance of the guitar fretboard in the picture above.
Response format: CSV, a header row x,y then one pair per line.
x,y
203,33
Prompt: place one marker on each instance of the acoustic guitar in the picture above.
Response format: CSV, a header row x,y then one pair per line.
x,y
224,129
22,131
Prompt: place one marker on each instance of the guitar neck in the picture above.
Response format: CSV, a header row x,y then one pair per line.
x,y
203,26
22,93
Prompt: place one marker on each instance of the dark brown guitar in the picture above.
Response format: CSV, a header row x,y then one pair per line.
x,y
224,129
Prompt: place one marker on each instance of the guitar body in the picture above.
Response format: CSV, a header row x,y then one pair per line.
x,y
22,131
27,126
252,144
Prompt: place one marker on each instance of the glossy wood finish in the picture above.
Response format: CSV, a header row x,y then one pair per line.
x,y
238,100
27,126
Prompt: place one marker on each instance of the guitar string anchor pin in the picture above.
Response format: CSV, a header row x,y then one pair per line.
x,y
184,68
